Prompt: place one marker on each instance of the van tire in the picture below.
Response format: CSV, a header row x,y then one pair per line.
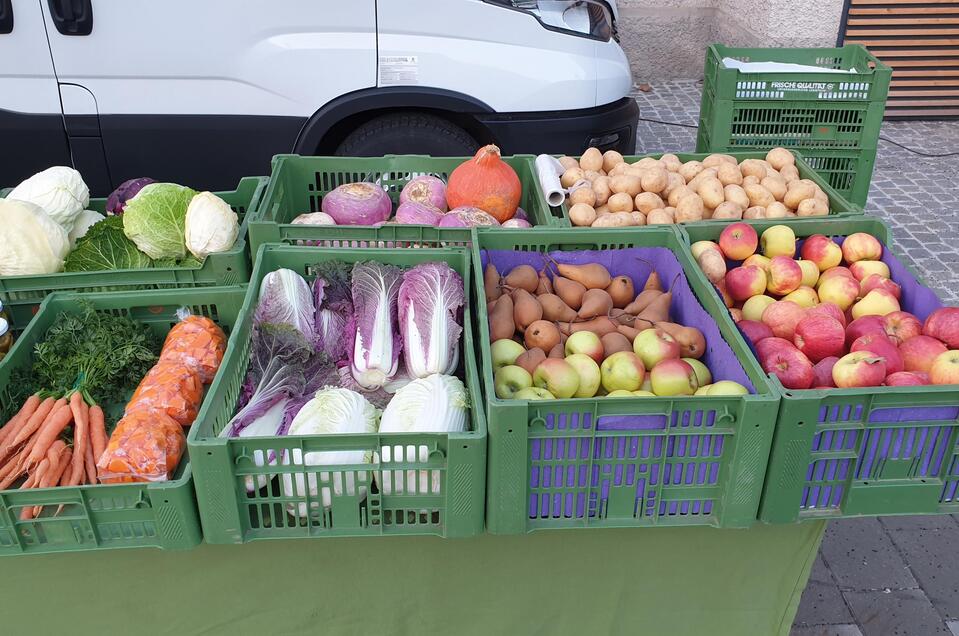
x,y
408,134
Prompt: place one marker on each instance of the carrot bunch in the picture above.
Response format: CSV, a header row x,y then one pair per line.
x,y
52,442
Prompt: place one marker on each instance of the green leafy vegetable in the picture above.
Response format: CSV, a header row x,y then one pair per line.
x,y
103,355
155,219
106,247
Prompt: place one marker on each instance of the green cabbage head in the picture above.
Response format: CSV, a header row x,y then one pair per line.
x,y
155,219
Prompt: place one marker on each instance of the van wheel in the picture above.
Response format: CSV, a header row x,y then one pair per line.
x,y
408,134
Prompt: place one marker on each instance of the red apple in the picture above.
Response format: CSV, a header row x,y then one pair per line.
x,y
944,324
785,275
861,247
905,378
881,345
945,370
822,251
828,309
920,352
738,241
768,346
820,337
863,269
878,302
782,317
832,272
791,366
839,289
901,326
822,372
859,369
875,281
864,325
754,330
744,282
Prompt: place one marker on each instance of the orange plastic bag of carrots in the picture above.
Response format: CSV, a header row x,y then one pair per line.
x,y
145,446
171,388
197,342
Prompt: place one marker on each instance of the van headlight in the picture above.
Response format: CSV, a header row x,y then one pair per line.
x,y
585,18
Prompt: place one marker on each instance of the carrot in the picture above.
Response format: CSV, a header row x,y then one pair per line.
x,y
27,428
80,441
98,431
60,456
10,472
90,465
48,434
23,414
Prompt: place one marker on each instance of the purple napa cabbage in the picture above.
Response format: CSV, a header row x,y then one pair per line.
x,y
285,298
430,298
334,308
277,356
374,352
117,200
319,372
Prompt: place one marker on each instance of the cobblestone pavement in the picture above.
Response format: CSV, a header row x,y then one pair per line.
x,y
892,575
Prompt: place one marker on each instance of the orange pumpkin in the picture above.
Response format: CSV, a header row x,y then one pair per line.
x,y
486,182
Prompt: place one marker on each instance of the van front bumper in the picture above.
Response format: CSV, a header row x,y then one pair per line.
x,y
608,127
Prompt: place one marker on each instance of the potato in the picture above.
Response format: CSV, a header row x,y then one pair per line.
x,y
797,192
707,173
755,212
753,167
620,202
671,162
571,176
690,208
729,173
821,196
711,190
759,195
601,210
583,194
780,157
638,218
617,170
582,215
601,190
676,194
727,211
776,185
625,183
648,201
655,180
659,217
750,180
568,162
673,181
670,210
809,182
592,159
617,219
789,173
707,213
772,172
635,171
690,169
812,207
611,158
713,265
593,174
735,194
713,160
776,210
647,163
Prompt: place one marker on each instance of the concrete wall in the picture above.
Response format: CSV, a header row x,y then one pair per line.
x,y
667,39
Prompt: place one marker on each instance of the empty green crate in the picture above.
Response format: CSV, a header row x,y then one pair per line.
x,y
21,295
449,507
838,205
832,118
106,516
626,462
867,451
298,184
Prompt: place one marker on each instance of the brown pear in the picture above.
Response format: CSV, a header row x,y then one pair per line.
x,y
658,310
621,291
557,352
601,326
628,331
542,334
642,301
590,276
692,343
526,309
501,323
531,359
653,282
545,285
555,309
570,291
491,282
596,302
522,277
614,343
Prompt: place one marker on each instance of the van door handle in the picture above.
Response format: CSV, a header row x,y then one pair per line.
x,y
6,16
72,17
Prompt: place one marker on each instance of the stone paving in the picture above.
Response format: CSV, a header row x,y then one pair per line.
x,y
891,575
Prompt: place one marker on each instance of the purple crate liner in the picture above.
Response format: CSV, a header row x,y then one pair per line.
x,y
572,477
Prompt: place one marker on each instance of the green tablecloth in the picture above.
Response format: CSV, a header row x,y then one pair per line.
x,y
674,581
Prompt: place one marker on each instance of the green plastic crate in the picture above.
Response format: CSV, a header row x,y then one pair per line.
x,y
21,295
618,462
838,205
222,466
106,516
869,451
832,118
298,184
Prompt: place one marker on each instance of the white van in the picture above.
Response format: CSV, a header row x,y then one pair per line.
x,y
206,91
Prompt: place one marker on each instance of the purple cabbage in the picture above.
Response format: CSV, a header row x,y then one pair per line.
x,y
334,308
285,297
318,373
117,200
374,350
430,298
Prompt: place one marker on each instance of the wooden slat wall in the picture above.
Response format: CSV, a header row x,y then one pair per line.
x,y
919,39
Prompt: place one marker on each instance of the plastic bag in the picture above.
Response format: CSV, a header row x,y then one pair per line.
x,y
144,446
171,388
197,342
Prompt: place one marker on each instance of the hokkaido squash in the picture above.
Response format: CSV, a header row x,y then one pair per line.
x,y
485,182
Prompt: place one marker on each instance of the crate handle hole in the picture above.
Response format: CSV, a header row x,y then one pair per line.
x,y
800,423
509,430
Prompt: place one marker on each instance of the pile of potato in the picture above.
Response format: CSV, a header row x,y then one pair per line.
x,y
605,191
